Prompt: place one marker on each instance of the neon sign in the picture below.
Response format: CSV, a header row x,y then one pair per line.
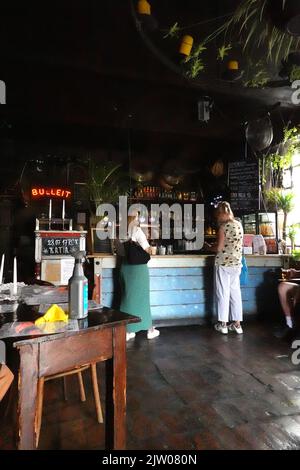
x,y
50,192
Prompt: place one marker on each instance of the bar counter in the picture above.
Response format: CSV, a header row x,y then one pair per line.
x,y
181,286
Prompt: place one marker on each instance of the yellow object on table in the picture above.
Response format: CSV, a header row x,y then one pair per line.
x,y
53,314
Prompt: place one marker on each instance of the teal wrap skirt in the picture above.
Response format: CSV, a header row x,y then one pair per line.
x,y
135,285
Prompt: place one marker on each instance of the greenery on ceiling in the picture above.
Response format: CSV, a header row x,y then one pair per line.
x,y
257,74
250,28
294,73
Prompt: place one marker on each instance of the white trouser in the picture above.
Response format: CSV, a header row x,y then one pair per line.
x,y
228,293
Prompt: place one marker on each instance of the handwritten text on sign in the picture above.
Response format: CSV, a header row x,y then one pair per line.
x,y
60,246
244,185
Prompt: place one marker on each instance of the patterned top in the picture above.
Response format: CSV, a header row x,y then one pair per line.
x,y
231,255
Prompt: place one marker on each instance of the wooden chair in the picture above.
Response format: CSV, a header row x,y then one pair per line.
x,y
78,371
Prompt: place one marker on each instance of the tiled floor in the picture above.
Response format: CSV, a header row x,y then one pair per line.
x,y
191,388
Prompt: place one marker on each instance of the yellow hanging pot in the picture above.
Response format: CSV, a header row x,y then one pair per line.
x,y
233,65
186,45
144,7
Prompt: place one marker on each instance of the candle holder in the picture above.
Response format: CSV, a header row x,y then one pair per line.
x,y
14,294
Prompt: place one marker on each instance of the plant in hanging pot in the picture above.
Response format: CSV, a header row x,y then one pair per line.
x,y
286,15
281,159
266,28
264,22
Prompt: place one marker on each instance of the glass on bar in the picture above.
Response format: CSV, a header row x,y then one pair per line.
x,y
284,274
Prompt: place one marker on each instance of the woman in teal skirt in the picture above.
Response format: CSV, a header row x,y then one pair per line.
x,y
135,286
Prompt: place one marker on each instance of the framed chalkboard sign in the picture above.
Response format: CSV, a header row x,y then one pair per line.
x,y
243,179
56,246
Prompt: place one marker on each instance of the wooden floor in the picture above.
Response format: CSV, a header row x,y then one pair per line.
x,y
191,388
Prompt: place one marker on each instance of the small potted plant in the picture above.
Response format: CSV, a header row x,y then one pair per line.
x,y
106,182
282,201
292,231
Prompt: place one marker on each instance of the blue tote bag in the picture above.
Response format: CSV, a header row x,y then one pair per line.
x,y
244,272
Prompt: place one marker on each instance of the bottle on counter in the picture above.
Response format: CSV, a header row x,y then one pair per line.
x,y
78,289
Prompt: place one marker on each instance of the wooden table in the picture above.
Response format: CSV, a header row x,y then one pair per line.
x,y
101,337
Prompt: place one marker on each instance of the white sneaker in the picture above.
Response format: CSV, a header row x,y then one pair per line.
x,y
152,333
130,336
221,329
237,329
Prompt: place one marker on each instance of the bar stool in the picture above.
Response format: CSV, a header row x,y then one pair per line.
x,y
78,371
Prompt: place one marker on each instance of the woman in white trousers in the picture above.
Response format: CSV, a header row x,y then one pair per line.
x,y
228,248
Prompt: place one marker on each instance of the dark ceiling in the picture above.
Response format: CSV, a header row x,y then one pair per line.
x,y
84,65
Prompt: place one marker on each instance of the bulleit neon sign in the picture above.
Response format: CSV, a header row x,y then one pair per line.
x,y
37,192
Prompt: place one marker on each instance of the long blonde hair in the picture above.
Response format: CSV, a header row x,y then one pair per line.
x,y
132,221
224,209
131,218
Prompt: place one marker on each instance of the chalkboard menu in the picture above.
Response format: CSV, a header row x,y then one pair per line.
x,y
55,246
244,185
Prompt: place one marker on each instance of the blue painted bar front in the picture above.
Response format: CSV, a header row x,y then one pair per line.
x,y
181,289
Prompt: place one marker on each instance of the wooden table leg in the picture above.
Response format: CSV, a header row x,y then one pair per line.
x,y
28,377
97,289
115,422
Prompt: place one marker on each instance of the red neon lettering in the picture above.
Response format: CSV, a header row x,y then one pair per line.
x,y
54,192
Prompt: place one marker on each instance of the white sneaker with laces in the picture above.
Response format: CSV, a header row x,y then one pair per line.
x,y
221,329
237,329
153,333
130,336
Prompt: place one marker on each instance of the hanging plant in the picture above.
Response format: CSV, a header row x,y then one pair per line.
x,y
223,51
282,159
294,73
252,26
258,80
172,32
276,163
196,61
